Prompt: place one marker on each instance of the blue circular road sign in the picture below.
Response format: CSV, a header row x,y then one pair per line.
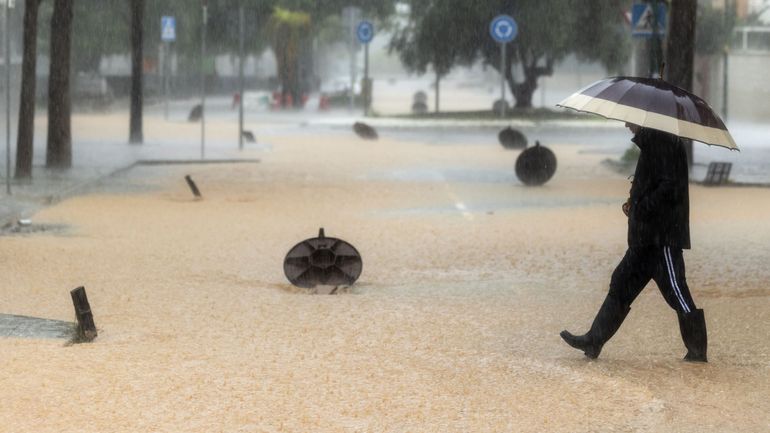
x,y
365,32
503,29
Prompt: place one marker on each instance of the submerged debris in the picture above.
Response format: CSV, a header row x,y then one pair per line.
x,y
193,187
196,113
364,131
248,136
25,226
512,138
322,261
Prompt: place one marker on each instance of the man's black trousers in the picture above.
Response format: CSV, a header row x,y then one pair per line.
x,y
665,265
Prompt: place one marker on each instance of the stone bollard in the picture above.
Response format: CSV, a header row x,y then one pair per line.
x,y
420,103
420,97
512,138
364,131
536,165
419,108
497,107
195,114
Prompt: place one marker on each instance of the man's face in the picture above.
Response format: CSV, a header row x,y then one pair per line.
x,y
633,127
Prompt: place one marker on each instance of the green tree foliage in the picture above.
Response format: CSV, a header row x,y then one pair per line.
x,y
292,27
102,27
110,20
99,27
444,33
429,38
713,29
287,30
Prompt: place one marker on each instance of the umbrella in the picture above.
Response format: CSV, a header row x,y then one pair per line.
x,y
652,103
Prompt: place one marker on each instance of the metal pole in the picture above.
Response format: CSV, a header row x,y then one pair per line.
x,y
502,79
366,88
240,77
7,101
725,54
164,66
438,89
203,82
725,83
351,32
656,52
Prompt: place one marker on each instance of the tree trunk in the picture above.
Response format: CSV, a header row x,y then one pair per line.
x,y
59,145
680,52
137,18
25,139
288,61
523,91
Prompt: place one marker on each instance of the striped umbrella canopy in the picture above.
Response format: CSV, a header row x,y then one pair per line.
x,y
653,103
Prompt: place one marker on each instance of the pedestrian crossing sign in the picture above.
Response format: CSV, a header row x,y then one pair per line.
x,y
167,29
643,21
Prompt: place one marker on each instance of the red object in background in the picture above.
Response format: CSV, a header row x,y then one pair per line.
x,y
323,102
236,99
276,104
287,101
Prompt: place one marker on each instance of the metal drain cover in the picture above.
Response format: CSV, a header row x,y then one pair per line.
x,y
322,261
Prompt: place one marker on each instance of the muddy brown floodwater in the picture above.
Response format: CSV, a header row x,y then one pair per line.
x,y
452,327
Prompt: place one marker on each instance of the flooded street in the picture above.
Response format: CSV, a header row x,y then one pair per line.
x,y
468,277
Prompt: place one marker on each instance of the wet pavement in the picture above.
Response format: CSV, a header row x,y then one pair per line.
x,y
453,325
34,327
100,149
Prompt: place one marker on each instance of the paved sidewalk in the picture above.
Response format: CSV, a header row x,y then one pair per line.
x,y
95,159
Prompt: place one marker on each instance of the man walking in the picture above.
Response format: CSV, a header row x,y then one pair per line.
x,y
658,230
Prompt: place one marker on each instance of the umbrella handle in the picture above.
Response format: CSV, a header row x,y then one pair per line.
x,y
662,68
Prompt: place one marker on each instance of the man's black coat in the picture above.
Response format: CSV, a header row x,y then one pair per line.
x,y
660,205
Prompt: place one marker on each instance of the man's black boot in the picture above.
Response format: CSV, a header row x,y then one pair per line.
x,y
607,321
693,328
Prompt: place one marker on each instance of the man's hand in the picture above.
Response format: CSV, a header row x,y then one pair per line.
x,y
626,207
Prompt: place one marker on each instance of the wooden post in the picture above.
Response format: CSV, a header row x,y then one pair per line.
x,y
86,326
192,185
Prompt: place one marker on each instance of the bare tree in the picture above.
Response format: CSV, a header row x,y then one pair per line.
x,y
137,19
25,137
59,144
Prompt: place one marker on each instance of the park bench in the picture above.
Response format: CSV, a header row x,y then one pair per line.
x,y
718,173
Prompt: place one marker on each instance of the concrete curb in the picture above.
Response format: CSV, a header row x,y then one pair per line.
x,y
11,218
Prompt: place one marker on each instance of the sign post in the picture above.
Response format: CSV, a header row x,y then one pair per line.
x,y
351,14
8,5
365,33
503,29
167,35
203,80
240,76
648,20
